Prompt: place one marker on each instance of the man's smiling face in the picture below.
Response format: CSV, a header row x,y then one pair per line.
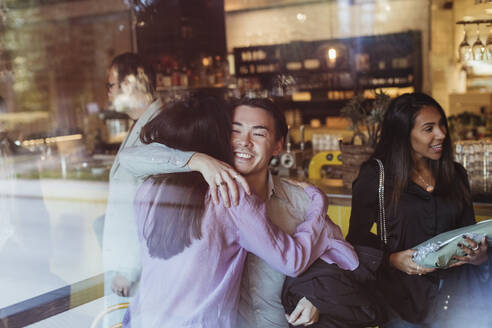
x,y
253,140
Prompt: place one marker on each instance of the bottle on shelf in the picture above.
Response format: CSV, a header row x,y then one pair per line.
x,y
175,75
159,76
184,76
400,62
203,73
210,77
381,65
228,79
362,62
166,78
218,71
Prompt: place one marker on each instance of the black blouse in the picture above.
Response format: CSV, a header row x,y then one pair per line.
x,y
420,216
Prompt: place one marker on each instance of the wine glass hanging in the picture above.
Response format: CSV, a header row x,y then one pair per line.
x,y
488,48
478,51
465,50
478,48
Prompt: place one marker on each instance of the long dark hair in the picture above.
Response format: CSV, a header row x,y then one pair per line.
x,y
201,124
395,150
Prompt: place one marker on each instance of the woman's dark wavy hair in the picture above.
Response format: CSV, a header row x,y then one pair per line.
x,y
395,150
201,124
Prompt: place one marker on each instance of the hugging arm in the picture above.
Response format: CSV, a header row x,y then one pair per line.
x,y
152,159
288,254
156,158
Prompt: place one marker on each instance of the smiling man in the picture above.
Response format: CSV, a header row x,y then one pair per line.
x,y
258,133
255,139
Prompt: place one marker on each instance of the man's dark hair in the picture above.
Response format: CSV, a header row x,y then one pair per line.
x,y
267,104
128,64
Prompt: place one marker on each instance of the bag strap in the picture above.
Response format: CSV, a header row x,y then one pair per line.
x,y
381,212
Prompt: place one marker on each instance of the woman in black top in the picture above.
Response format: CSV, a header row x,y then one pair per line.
x,y
426,193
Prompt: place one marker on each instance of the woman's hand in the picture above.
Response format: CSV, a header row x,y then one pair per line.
x,y
403,261
120,286
220,177
476,253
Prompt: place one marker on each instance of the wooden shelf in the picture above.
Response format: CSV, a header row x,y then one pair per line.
x,y
357,67
357,57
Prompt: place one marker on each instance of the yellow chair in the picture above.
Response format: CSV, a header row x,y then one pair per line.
x,y
110,309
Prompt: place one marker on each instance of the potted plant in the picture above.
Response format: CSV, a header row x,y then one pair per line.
x,y
366,116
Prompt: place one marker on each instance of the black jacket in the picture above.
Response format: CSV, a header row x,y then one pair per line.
x,y
343,298
420,216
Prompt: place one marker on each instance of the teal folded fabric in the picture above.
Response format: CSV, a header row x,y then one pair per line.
x,y
438,252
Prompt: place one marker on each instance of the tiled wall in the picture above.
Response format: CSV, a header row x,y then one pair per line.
x,y
327,20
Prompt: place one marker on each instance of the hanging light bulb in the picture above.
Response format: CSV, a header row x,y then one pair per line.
x,y
478,48
331,57
332,54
